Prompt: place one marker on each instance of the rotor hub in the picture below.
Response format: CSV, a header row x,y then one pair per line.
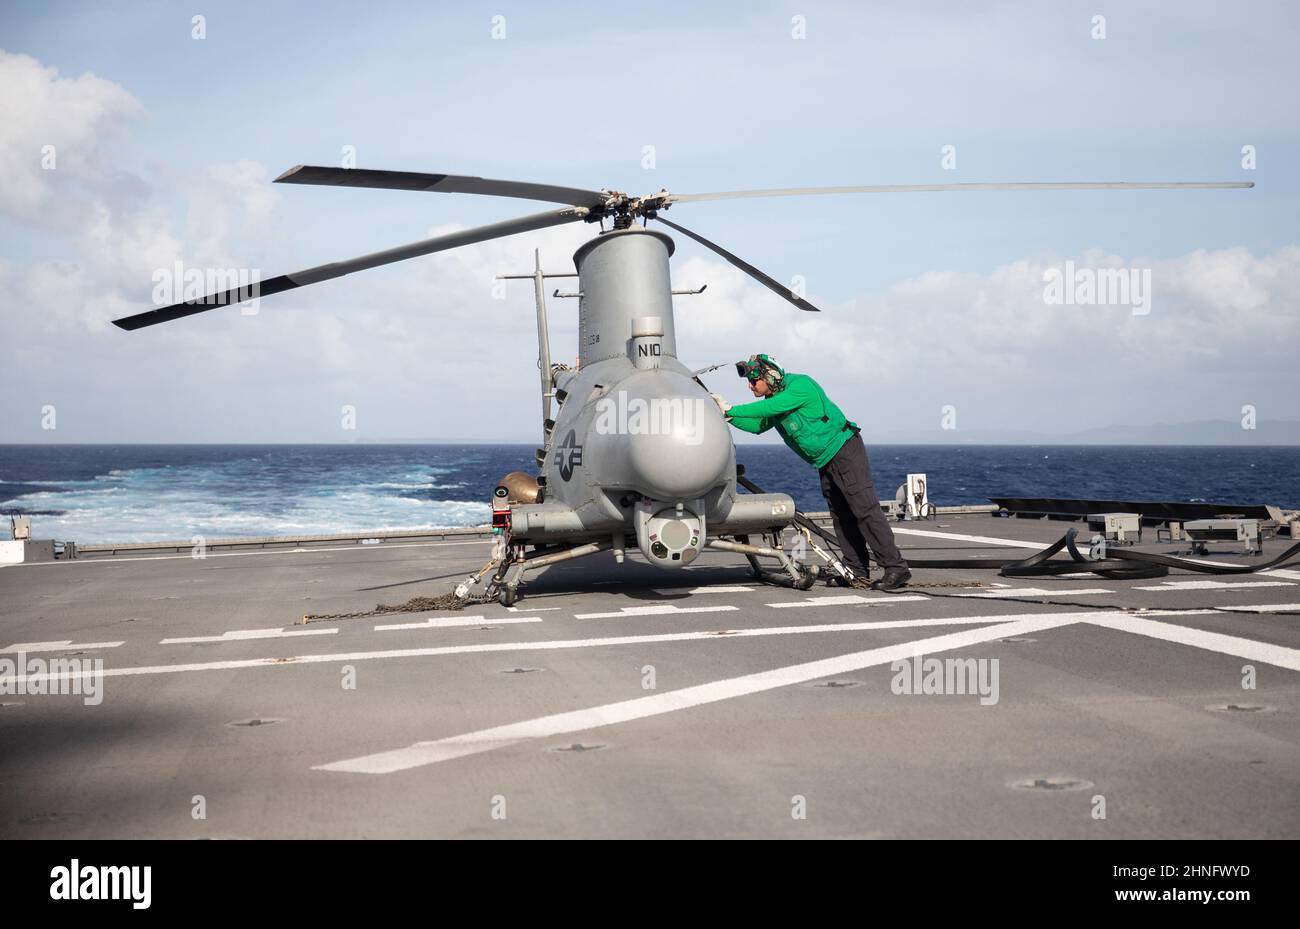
x,y
622,209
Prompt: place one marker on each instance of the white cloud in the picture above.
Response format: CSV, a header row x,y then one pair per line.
x,y
80,117
422,348
1222,322
117,227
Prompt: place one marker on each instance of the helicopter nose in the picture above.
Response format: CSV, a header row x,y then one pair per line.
x,y
685,458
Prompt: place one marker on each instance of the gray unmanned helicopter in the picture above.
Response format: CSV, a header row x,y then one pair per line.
x,y
638,454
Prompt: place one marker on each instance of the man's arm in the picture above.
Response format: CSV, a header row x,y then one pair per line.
x,y
754,424
770,407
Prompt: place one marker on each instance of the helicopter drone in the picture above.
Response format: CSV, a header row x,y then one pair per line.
x,y
638,454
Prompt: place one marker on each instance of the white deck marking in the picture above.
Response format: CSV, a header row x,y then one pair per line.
x,y
1281,572
847,600
536,609
657,610
1264,608
982,539
60,646
240,635
1214,585
488,647
828,600
1219,564
424,753
1238,564
1197,612
437,622
1212,641
1037,592
719,589
118,559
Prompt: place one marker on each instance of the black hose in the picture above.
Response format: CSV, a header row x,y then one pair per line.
x,y
1121,565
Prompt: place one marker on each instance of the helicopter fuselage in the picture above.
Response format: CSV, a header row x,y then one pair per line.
x,y
638,447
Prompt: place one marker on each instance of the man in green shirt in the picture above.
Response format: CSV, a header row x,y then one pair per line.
x,y
821,435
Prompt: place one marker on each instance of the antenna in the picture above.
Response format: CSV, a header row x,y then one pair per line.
x,y
538,278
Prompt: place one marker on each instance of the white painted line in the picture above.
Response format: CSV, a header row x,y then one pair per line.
x,y
828,600
982,539
60,646
1238,564
425,753
1205,612
848,600
91,559
657,610
1216,564
240,635
720,589
435,622
1264,608
1198,638
536,609
1281,572
1214,585
1038,592
489,647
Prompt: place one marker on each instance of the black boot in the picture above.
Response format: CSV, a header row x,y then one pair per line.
x,y
893,579
859,582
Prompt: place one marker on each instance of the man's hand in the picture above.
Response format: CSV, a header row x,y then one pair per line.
x,y
723,405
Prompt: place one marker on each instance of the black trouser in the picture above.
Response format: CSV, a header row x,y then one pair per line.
x,y
860,523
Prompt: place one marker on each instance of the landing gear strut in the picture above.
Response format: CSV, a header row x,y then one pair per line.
x,y
511,563
798,576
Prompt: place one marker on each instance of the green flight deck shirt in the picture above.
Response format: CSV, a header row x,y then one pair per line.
x,y
808,421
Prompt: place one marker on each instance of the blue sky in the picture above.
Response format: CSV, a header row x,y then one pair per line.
x,y
167,155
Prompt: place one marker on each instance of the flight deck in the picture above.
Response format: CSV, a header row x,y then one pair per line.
x,y
630,701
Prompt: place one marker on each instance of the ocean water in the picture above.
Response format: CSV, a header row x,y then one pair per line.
x,y
139,493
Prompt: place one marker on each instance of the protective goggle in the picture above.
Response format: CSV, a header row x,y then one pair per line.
x,y
750,370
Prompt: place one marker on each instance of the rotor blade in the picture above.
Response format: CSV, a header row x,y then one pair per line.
x,y
439,183
919,188
285,282
768,282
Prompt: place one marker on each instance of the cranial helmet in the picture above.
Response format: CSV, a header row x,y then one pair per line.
x,y
763,367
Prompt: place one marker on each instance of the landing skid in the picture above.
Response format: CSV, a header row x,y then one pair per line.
x,y
509,564
797,576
